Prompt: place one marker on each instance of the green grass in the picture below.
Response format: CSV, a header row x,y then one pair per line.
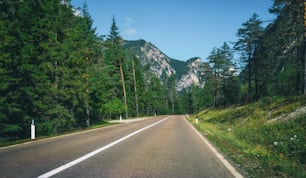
x,y
260,148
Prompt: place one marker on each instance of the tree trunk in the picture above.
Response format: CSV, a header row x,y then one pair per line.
x,y
124,91
304,70
250,77
304,85
135,89
173,107
256,77
215,88
87,91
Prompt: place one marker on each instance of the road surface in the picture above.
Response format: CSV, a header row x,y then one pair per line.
x,y
165,146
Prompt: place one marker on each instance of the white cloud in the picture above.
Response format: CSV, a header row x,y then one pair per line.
x,y
130,31
129,20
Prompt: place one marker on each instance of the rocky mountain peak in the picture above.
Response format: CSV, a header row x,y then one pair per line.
x,y
186,73
193,76
158,61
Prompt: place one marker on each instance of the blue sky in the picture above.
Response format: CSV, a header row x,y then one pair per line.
x,y
180,28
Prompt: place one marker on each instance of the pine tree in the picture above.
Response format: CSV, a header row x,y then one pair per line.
x,y
216,60
279,57
135,86
156,97
139,86
115,56
292,15
45,53
249,36
220,72
170,90
13,68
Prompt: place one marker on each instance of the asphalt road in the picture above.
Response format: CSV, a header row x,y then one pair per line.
x,y
156,147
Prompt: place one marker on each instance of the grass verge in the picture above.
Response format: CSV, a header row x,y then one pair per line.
x,y
266,138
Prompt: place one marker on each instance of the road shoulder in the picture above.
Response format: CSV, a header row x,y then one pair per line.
x,y
219,155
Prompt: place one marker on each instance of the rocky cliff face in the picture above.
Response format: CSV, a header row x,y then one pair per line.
x,y
159,62
186,73
194,74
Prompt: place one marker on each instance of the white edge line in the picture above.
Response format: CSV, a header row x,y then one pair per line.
x,y
221,158
91,154
69,134
55,137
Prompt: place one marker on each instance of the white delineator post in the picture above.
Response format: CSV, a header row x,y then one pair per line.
x,y
120,118
197,120
32,130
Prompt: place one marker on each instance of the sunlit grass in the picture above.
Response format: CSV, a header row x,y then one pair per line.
x,y
258,147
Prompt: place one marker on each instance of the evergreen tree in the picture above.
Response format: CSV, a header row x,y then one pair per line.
x,y
156,97
208,91
217,61
292,33
15,70
45,55
172,94
115,59
142,89
249,36
135,85
222,71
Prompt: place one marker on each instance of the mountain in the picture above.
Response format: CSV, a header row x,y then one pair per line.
x,y
161,65
193,75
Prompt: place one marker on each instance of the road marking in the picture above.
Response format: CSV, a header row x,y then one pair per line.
x,y
54,137
220,157
130,120
93,153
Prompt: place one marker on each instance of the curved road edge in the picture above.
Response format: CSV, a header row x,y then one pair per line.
x,y
219,155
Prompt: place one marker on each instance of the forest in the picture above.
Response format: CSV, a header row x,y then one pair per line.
x,y
56,70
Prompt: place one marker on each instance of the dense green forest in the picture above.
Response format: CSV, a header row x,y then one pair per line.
x,y
55,69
